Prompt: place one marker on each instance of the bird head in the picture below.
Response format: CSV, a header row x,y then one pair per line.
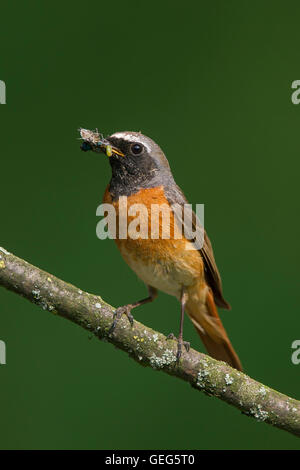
x,y
136,160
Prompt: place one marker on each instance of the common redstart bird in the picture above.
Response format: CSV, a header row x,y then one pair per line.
x,y
141,172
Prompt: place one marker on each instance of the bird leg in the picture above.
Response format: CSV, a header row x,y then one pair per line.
x,y
126,309
180,342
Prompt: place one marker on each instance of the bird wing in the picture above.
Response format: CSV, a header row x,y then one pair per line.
x,y
175,196
212,274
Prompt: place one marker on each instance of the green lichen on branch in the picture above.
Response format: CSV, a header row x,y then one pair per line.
x,y
149,347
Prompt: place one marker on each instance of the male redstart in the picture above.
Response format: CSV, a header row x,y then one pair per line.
x,y
141,172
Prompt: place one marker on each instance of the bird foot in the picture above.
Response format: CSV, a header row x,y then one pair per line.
x,y
180,342
124,310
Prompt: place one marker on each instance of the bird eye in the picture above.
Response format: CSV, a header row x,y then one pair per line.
x,y
136,149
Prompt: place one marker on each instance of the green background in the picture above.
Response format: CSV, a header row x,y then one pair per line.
x,y
211,83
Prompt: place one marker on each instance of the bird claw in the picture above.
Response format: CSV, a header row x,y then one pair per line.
x,y
124,310
180,342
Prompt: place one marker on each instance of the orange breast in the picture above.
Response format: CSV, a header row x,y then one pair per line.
x,y
165,263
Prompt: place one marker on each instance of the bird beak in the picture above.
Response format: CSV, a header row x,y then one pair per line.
x,y
94,141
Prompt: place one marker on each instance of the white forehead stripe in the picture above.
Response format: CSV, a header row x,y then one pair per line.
x,y
132,138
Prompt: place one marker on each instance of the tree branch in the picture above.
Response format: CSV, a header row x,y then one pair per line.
x,y
149,347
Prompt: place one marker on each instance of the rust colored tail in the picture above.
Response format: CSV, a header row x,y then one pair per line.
x,y
205,317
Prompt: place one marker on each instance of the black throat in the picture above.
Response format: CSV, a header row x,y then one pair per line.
x,y
129,178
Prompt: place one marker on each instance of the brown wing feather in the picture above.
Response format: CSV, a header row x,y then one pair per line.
x,y
212,274
175,196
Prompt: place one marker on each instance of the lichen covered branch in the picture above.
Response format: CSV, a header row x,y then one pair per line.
x,y
149,347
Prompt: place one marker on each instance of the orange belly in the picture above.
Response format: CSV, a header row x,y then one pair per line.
x,y
165,264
